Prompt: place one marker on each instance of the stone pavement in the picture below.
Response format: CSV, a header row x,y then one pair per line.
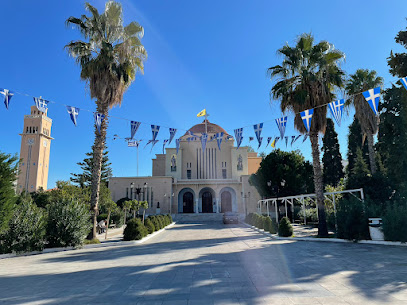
x,y
210,264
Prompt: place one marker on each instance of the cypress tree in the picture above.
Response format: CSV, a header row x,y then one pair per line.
x,y
8,176
355,140
332,159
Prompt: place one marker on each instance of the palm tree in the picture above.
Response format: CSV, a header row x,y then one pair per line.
x,y
307,78
109,59
363,80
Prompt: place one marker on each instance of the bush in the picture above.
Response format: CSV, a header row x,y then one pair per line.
x,y
134,230
269,225
285,228
68,224
352,220
149,225
161,221
94,241
258,221
250,219
170,218
26,230
395,223
155,222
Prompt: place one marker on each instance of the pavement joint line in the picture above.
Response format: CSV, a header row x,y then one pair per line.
x,y
101,245
333,240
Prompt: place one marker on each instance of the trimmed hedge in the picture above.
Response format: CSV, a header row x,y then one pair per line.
x,y
285,228
269,225
134,230
149,225
395,223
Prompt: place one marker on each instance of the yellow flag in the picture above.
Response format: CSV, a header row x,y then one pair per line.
x,y
202,113
273,144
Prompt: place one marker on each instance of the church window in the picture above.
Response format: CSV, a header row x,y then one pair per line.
x,y
224,174
30,129
189,174
26,131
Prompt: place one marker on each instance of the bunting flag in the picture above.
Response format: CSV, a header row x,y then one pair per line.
x,y
177,144
251,139
336,108
403,80
73,113
273,144
305,137
190,139
286,141
268,140
133,128
154,142
372,96
164,143
155,129
173,131
292,140
260,140
296,139
281,124
212,138
219,138
41,104
306,117
229,137
133,143
257,130
98,120
193,135
276,140
204,139
7,96
238,136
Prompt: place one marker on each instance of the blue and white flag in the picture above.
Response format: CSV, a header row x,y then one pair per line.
x,y
133,143
295,140
403,80
251,139
238,137
292,140
229,137
212,138
165,142
41,104
193,135
155,129
133,128
190,139
204,138
154,142
372,96
7,96
173,131
177,144
286,141
276,140
305,137
336,108
98,120
281,124
306,117
73,113
257,130
219,138
260,140
268,141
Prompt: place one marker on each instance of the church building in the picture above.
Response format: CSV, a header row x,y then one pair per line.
x,y
196,180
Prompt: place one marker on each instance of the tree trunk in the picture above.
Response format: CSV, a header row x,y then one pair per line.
x,y
372,160
108,221
98,148
319,185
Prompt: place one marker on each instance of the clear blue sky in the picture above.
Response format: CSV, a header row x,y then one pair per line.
x,y
202,54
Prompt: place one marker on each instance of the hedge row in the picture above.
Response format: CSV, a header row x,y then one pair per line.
x,y
265,222
136,230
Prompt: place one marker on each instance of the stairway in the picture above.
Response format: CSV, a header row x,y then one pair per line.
x,y
198,217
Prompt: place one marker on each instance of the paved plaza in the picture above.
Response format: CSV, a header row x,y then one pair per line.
x,y
210,264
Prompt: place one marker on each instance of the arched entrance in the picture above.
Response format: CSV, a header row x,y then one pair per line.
x,y
226,202
207,202
188,202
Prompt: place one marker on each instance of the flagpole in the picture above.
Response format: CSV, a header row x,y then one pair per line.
x,y
206,123
137,160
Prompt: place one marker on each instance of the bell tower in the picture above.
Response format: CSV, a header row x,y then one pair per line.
x,y
34,152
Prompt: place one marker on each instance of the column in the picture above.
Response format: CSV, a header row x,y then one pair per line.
x,y
196,206
217,205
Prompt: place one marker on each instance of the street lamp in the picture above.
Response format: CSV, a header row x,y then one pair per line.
x,y
131,190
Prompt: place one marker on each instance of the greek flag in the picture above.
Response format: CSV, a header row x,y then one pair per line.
x,y
238,136
295,140
7,96
276,140
281,124
260,140
219,138
268,141
165,142
286,141
133,143
336,110
292,140
177,144
212,138
98,120
133,128
204,138
306,117
404,82
173,131
155,129
257,130
41,104
305,137
372,96
73,113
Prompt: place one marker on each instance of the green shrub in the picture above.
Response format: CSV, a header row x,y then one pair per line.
x,y
134,230
155,222
68,224
26,230
285,228
250,219
261,221
170,218
94,241
352,220
149,225
395,223
257,220
269,225
161,221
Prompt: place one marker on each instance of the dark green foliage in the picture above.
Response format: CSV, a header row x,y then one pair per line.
x,y
134,230
8,171
280,165
121,201
116,217
250,218
352,219
26,231
332,159
155,222
68,224
354,143
285,229
161,221
149,225
395,222
170,218
269,225
260,222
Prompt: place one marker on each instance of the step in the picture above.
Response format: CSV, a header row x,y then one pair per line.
x,y
198,217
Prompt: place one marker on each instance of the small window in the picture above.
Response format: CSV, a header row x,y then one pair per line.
x,y
224,176
26,131
189,174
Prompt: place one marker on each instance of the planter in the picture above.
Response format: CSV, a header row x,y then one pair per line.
x,y
375,229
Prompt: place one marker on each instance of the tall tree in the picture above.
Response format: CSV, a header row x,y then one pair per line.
x,y
307,78
359,82
332,158
109,59
84,179
8,171
355,141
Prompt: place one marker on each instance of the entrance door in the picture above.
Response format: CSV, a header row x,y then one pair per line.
x,y
188,203
207,203
226,202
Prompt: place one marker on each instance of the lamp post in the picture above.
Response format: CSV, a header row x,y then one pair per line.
x,y
131,190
